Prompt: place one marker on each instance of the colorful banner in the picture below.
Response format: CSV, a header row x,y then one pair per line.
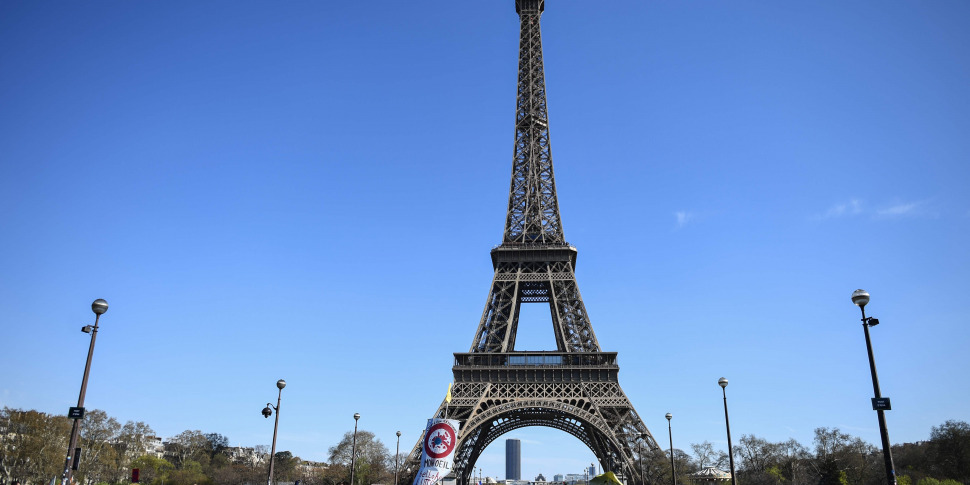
x,y
437,450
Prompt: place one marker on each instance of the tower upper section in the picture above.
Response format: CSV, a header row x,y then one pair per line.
x,y
533,212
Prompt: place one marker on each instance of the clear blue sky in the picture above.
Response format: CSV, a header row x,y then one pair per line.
x,y
309,191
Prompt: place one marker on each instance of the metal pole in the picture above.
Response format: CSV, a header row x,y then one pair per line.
x,y
396,455
272,453
734,479
673,470
353,450
76,427
883,430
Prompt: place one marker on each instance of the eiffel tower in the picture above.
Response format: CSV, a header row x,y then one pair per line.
x,y
575,388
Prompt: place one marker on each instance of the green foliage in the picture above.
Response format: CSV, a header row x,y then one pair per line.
x,y
285,467
153,470
775,473
830,474
949,450
372,462
190,474
32,446
100,461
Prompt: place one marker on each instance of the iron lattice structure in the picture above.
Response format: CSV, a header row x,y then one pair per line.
x,y
575,388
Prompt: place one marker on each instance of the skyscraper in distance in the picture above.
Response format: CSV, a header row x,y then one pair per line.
x,y
513,459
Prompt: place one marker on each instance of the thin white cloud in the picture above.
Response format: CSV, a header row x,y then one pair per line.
x,y
851,208
905,209
920,208
683,217
855,207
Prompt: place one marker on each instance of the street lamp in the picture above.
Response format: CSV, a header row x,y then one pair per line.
x,y
99,306
353,450
723,382
673,471
396,455
267,412
880,404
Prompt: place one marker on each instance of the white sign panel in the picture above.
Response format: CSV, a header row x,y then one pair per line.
x,y
437,451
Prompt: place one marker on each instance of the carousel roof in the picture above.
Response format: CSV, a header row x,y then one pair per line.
x,y
711,472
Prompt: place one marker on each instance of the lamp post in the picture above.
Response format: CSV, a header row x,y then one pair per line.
x,y
353,450
267,412
99,306
673,471
861,298
723,382
396,455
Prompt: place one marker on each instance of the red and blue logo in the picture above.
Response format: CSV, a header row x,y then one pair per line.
x,y
440,441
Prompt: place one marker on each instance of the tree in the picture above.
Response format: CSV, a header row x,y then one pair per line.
x,y
190,474
949,450
134,439
285,468
757,458
153,470
32,445
236,473
189,446
372,458
841,457
656,467
793,456
707,456
684,465
99,459
217,442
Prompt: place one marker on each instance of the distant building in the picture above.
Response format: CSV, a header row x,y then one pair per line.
x,y
540,478
592,470
575,478
245,455
154,447
513,459
559,477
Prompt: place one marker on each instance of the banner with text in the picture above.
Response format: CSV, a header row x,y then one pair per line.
x,y
437,450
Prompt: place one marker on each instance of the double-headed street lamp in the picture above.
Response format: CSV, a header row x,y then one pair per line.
x,y
879,403
673,470
723,382
267,412
353,450
396,455
73,453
